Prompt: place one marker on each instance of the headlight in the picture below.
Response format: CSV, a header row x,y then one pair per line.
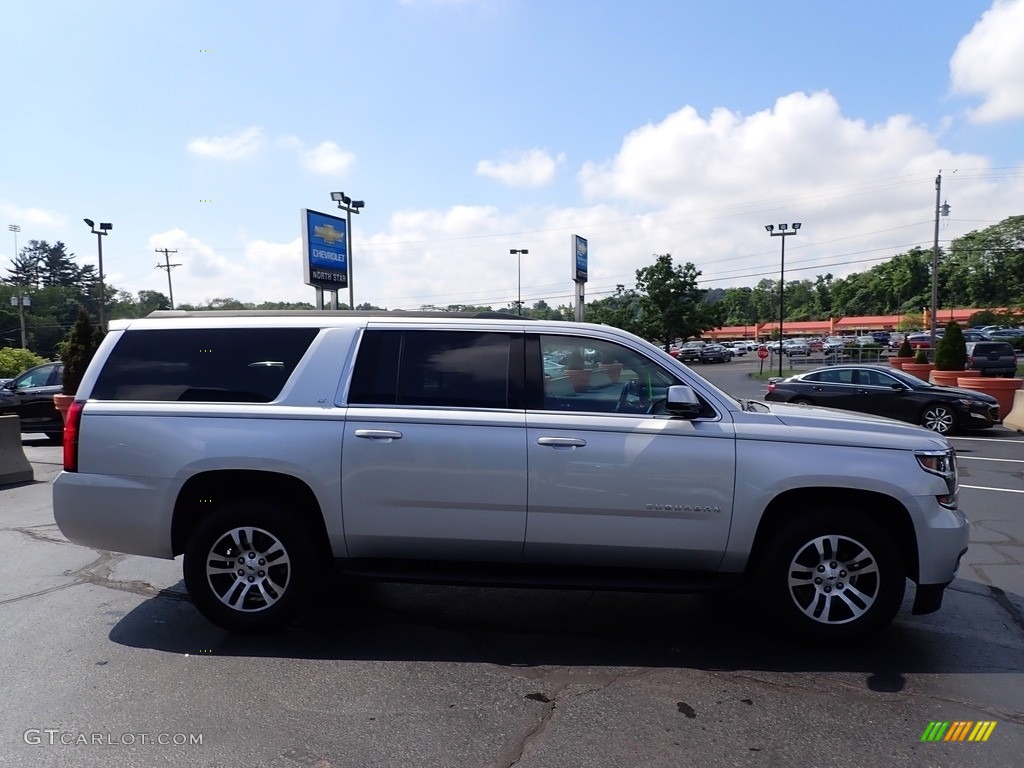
x,y
943,464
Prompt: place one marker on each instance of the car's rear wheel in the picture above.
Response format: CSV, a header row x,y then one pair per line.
x,y
251,566
939,418
801,401
835,576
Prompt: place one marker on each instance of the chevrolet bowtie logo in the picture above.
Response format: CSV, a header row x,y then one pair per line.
x,y
328,233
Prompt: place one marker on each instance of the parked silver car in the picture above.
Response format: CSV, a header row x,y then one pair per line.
x,y
426,446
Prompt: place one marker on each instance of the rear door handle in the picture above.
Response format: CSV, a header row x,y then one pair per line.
x,y
562,442
380,435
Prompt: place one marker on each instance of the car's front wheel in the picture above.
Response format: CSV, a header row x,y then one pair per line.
x,y
939,418
832,577
250,566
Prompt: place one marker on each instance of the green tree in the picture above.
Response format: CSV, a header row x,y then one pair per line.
x,y
620,310
671,304
77,352
14,361
951,349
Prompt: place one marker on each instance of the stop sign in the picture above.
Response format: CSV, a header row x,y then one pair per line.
x,y
762,352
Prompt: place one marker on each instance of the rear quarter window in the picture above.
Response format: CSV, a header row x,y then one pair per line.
x,y
219,365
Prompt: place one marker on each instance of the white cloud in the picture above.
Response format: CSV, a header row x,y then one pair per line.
x,y
802,143
237,146
533,168
24,217
326,159
989,62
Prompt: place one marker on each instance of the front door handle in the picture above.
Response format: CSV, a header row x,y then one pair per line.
x,y
380,435
562,442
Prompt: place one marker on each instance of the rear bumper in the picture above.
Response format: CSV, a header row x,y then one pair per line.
x,y
118,514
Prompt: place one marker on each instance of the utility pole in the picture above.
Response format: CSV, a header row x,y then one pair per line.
x,y
942,210
168,266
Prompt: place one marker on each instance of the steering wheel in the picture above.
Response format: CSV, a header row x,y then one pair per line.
x,y
634,399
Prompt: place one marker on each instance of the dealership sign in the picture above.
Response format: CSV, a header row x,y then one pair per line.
x,y
579,259
324,250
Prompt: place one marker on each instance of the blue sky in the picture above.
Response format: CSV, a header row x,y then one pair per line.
x,y
470,127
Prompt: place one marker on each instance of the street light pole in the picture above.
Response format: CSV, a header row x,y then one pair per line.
x,y
783,232
103,230
519,277
21,287
349,206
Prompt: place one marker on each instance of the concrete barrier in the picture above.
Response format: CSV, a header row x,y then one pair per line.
x,y
1015,418
14,467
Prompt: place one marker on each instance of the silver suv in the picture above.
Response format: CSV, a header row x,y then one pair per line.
x,y
424,446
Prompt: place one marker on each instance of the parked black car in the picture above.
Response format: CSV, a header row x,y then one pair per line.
x,y
992,358
888,392
715,353
30,397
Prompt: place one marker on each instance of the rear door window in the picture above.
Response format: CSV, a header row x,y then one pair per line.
x,y
220,365
455,369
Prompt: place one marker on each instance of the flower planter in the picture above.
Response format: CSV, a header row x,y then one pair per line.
x,y
580,378
921,370
62,403
899,362
946,378
1001,389
614,371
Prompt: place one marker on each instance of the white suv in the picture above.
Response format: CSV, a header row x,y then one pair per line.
x,y
265,447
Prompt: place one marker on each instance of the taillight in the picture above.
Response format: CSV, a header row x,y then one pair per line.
x,y
771,385
71,425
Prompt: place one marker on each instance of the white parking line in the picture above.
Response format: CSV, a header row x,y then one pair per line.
x,y
986,439
983,458
983,488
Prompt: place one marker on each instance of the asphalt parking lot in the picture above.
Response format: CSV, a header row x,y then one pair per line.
x,y
107,663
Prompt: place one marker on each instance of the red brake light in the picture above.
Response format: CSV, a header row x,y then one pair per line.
x,y
71,437
771,385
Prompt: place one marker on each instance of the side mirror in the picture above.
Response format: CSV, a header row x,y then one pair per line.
x,y
682,401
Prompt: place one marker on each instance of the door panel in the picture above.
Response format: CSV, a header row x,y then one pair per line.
x,y
632,491
434,484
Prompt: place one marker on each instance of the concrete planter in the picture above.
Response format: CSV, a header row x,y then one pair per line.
x,y
62,403
948,378
1001,389
580,378
921,370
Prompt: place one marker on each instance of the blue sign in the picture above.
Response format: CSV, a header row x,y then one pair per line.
x,y
579,250
325,250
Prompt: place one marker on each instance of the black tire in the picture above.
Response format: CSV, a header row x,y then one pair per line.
x,y
939,417
833,576
274,566
801,401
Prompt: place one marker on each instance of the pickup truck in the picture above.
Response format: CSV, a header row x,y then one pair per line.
x,y
268,448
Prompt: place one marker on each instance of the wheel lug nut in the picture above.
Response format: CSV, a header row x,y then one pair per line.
x,y
262,561
261,574
251,579
832,564
828,589
241,572
821,569
842,574
839,585
817,581
241,560
252,555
